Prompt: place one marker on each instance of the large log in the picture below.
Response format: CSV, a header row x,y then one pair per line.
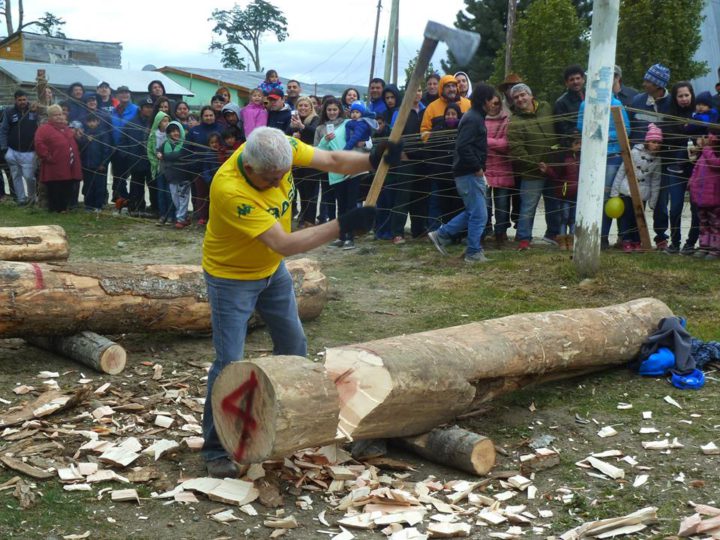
x,y
48,299
37,243
410,384
88,348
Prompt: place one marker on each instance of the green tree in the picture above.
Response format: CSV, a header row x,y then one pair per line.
x,y
411,67
244,28
664,31
50,25
549,36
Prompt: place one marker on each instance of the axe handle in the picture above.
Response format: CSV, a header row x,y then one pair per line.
x,y
418,74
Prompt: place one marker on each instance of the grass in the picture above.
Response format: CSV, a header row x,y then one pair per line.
x,y
381,290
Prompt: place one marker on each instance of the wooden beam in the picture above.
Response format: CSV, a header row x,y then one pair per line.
x,y
638,207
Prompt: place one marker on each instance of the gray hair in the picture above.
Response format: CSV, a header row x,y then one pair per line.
x,y
268,149
520,87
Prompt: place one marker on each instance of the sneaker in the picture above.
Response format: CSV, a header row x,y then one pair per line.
x,y
478,257
201,222
337,243
524,245
549,241
124,211
628,247
637,246
160,222
398,240
672,249
439,241
348,244
661,245
687,250
181,224
222,468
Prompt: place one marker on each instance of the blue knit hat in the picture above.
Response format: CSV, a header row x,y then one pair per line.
x,y
659,75
358,106
704,98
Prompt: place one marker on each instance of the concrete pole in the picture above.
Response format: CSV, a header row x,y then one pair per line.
x,y
390,43
596,125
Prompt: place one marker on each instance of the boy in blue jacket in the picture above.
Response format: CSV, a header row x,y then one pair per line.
x,y
95,150
360,127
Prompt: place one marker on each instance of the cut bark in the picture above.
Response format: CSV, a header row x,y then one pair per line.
x,y
260,416
88,348
37,243
454,447
46,404
410,384
50,299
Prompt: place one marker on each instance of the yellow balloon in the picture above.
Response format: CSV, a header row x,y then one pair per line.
x,y
614,207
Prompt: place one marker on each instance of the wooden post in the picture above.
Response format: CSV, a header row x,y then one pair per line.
x,y
512,6
41,84
621,130
593,160
390,43
374,49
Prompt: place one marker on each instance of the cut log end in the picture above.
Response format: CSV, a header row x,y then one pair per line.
x,y
454,447
113,359
244,411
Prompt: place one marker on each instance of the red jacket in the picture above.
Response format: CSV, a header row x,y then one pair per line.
x,y
565,178
57,150
704,183
498,167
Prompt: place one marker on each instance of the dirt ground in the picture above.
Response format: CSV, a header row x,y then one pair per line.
x,y
374,292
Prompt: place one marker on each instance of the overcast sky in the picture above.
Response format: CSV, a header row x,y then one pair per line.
x,y
330,40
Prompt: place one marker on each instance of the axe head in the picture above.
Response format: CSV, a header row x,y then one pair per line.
x,y
461,43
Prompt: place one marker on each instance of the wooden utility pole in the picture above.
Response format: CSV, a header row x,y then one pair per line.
x,y
396,47
374,49
512,6
390,43
596,124
621,130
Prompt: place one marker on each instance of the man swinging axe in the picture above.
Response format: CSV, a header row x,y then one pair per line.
x,y
248,235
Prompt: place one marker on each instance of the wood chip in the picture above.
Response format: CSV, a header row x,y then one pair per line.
x,y
448,530
607,528
607,431
102,411
647,415
672,402
78,487
288,522
519,482
232,491
23,389
342,473
102,389
194,443
24,494
710,449
86,534
255,472
224,517
124,495
161,447
157,372
640,480
26,469
47,403
163,421
119,456
86,468
648,430
106,475
609,470
69,474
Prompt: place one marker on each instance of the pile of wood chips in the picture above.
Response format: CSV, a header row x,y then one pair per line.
x,y
102,433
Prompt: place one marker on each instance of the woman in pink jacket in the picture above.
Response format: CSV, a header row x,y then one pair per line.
x,y
60,167
499,173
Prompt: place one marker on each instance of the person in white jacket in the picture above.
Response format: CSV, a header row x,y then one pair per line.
x,y
646,161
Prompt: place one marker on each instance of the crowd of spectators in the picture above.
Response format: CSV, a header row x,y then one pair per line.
x,y
157,157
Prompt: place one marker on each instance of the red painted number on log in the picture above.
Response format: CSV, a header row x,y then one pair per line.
x,y
39,280
246,392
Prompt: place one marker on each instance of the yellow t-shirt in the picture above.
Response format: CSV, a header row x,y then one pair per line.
x,y
239,213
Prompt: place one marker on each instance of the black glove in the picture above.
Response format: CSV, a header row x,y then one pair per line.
x,y
357,221
392,158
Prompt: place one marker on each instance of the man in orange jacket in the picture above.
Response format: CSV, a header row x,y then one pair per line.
x,y
448,93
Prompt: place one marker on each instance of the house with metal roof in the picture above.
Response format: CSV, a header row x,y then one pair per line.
x,y
205,82
26,46
14,75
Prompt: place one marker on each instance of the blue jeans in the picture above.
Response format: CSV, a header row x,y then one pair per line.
x,y
567,216
628,224
165,208
614,162
673,188
530,193
472,190
232,303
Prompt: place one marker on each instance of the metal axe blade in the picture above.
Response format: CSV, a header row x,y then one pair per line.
x,y
461,43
